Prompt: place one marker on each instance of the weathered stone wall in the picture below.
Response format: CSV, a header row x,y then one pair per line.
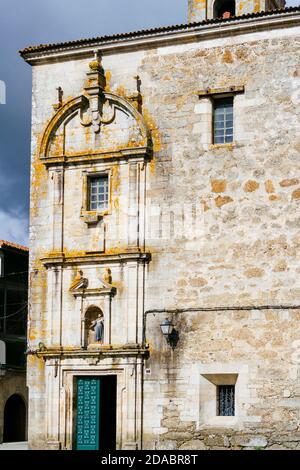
x,y
221,226
260,346
245,252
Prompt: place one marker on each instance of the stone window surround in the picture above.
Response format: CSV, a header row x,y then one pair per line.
x,y
211,375
206,109
88,216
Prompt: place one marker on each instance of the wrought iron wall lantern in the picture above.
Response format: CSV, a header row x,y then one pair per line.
x,y
169,332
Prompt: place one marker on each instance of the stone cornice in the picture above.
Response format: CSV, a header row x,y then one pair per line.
x,y
162,37
131,350
133,154
97,258
94,292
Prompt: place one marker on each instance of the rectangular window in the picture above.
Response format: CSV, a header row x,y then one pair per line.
x,y
98,193
223,120
225,400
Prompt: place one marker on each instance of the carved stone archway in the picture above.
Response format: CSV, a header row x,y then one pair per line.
x,y
92,114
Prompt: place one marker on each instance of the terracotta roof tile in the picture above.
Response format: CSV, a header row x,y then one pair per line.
x,y
4,244
129,35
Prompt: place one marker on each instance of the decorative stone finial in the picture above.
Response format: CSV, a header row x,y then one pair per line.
x,y
59,103
94,87
96,65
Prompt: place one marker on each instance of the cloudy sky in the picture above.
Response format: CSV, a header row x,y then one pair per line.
x,y
29,22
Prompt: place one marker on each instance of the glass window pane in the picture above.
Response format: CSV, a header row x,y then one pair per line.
x,y
223,120
98,193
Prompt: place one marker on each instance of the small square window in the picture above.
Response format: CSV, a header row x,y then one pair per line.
x,y
226,400
223,120
98,193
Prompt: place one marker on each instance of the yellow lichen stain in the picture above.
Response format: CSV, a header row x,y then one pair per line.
x,y
251,186
257,7
222,200
68,254
121,91
119,286
205,205
107,80
40,364
218,186
227,57
273,197
152,165
116,251
227,146
296,194
155,133
32,334
254,272
269,186
289,182
115,179
72,254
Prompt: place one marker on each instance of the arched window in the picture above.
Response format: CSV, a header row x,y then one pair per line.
x,y
94,326
14,419
224,8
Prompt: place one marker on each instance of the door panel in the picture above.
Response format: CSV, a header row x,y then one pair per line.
x,y
88,413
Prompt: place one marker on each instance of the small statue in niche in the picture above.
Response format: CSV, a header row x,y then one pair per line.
x,y
98,326
107,278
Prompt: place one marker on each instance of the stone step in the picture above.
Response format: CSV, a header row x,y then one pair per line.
x,y
14,446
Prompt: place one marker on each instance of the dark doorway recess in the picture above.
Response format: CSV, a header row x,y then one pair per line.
x,y
108,412
14,420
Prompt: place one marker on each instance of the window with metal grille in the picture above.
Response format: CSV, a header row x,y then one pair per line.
x,y
98,193
225,400
223,120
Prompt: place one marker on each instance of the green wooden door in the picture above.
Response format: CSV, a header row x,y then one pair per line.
x,y
88,413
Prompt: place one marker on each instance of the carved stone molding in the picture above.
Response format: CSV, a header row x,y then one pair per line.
x,y
97,258
95,108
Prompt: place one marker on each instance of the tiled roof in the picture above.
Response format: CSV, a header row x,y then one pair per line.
x,y
163,29
4,244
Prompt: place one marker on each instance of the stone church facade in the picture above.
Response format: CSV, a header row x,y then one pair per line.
x,y
164,274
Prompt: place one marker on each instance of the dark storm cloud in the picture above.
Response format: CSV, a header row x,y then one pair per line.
x,y
29,22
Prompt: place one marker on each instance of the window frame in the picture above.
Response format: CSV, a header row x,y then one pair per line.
x,y
214,100
213,94
218,400
89,216
90,179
